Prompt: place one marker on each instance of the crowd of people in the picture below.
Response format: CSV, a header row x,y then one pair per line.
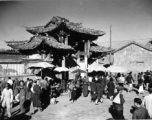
x,y
36,94
112,87
31,94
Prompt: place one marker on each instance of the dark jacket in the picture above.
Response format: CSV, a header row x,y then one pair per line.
x,y
93,87
122,101
129,79
16,84
3,85
140,113
110,88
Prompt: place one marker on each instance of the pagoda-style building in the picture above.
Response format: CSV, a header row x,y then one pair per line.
x,y
63,40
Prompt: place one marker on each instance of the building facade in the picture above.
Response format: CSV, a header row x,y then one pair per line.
x,y
11,63
134,57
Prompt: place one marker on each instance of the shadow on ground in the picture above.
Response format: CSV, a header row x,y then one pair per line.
x,y
20,117
112,112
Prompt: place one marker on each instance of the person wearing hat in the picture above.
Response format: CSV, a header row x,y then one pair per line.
x,y
118,102
148,100
10,81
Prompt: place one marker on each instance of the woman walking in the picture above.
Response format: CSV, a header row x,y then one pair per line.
x,y
93,90
22,96
36,100
99,91
111,89
85,87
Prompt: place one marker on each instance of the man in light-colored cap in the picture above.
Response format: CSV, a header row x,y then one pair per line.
x,y
10,81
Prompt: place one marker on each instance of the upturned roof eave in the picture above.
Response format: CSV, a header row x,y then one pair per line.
x,y
52,43
37,31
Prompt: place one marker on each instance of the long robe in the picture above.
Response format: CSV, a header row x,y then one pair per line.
x,y
85,89
111,88
99,90
93,90
15,84
22,97
36,96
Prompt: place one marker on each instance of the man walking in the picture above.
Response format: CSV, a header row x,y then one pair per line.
x,y
130,80
7,99
118,102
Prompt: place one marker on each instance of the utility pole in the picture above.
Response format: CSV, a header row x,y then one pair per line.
x,y
110,46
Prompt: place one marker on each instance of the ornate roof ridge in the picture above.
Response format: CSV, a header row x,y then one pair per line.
x,y
56,21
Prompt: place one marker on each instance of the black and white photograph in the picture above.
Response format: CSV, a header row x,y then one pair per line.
x,y
75,59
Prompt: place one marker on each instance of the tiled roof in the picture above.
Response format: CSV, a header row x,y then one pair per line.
x,y
16,42
10,51
119,44
96,48
57,21
135,43
37,40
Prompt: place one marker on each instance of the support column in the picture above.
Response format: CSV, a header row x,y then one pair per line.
x,y
64,75
78,59
87,50
26,65
63,62
43,55
66,43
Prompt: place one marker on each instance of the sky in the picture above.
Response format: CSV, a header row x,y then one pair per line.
x,y
130,19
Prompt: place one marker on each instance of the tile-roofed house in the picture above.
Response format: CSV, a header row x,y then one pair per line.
x,y
134,55
61,38
11,62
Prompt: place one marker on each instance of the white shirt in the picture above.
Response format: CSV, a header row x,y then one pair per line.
x,y
121,79
147,102
7,94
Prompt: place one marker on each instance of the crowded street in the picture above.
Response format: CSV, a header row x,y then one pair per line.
x,y
83,108
75,60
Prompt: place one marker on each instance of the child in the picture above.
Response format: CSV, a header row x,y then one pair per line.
x,y
140,112
53,96
118,102
73,94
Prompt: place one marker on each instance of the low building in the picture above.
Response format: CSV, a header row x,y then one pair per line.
x,y
11,63
131,55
